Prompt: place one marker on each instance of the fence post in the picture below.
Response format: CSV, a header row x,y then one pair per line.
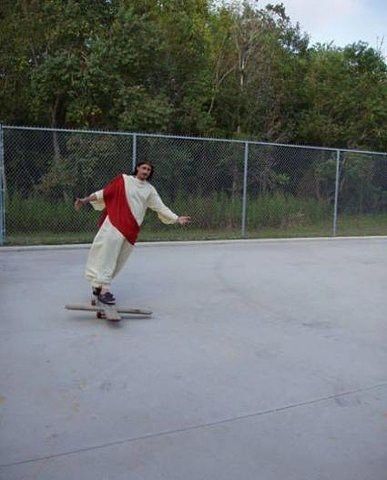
x,y
244,198
336,192
2,188
134,151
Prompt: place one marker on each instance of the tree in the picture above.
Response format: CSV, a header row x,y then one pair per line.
x,y
255,64
345,93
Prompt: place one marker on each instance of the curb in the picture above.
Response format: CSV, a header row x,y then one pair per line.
x,y
182,243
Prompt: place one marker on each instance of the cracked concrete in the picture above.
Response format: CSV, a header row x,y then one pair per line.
x,y
262,360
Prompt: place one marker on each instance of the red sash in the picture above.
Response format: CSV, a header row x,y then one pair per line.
x,y
118,210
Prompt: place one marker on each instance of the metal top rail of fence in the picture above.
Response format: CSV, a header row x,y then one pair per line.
x,y
232,188
187,137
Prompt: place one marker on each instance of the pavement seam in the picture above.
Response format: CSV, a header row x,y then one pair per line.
x,y
175,243
196,427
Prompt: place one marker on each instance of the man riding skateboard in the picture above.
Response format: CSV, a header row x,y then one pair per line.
x,y
124,202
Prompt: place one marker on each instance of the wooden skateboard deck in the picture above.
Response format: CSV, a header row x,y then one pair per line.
x,y
111,312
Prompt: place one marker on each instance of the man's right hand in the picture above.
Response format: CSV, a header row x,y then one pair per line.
x,y
184,220
79,202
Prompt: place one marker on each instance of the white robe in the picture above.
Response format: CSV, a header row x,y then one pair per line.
x,y
110,249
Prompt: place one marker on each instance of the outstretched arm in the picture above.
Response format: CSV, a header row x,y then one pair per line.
x,y
79,202
96,200
164,213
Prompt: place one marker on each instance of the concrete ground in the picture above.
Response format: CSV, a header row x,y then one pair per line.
x,y
262,361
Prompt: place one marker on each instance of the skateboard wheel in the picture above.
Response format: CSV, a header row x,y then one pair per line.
x,y
100,315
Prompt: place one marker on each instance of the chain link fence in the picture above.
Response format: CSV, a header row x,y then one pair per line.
x,y
231,188
2,189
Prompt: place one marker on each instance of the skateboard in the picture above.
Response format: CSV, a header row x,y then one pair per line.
x,y
110,312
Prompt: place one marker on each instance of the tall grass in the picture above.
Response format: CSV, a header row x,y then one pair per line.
x,y
283,211
213,212
218,211
36,214
38,221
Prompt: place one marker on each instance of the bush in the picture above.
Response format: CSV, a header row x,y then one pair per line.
x,y
36,215
216,212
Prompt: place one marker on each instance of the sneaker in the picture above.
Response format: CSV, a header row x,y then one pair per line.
x,y
107,298
94,297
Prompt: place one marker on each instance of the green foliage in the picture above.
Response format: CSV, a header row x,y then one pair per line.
x,y
210,212
345,95
36,214
188,67
193,67
360,186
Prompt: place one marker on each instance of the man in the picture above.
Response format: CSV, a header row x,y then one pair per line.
x,y
124,202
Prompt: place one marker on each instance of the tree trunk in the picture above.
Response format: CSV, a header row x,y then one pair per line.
x,y
58,116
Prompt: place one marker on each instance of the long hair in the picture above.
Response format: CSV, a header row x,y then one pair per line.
x,y
145,162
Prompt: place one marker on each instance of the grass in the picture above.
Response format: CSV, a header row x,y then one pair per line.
x,y
347,226
36,221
